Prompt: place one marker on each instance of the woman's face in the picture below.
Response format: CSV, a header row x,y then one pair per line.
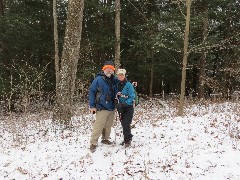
x,y
121,77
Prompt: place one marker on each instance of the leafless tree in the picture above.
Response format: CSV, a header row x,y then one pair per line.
x,y
63,110
117,33
202,62
56,41
185,56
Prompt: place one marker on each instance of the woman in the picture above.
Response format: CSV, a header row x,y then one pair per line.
x,y
125,97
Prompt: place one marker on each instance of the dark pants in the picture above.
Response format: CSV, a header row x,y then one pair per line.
x,y
127,116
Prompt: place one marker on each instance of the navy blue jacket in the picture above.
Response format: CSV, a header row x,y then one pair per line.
x,y
101,94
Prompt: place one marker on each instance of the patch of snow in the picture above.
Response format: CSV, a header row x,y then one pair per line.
x,y
196,146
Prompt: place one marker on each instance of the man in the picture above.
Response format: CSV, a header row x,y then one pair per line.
x,y
101,101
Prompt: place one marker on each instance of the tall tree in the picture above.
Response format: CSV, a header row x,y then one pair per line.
x,y
185,56
202,62
71,48
117,34
56,41
151,75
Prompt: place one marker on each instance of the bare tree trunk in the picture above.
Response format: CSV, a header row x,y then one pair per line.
x,y
162,87
64,110
202,63
227,84
57,68
185,56
3,48
117,33
151,75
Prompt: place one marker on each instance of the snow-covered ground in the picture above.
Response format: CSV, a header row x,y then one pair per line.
x,y
204,144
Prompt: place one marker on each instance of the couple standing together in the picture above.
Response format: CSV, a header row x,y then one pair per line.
x,y
107,92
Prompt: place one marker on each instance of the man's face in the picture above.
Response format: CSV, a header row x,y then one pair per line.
x,y
108,72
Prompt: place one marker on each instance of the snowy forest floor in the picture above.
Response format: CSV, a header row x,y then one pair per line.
x,y
204,144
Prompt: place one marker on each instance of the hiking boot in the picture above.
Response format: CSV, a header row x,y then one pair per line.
x,y
127,144
93,148
106,141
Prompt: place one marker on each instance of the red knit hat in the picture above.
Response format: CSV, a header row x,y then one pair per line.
x,y
108,64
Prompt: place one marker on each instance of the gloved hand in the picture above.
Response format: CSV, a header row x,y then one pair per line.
x,y
121,107
119,93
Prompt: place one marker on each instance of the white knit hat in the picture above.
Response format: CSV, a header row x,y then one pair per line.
x,y
121,71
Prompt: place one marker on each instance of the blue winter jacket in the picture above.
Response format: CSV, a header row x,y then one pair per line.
x,y
101,95
129,93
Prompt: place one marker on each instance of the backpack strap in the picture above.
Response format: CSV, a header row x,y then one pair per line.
x,y
120,85
110,83
101,92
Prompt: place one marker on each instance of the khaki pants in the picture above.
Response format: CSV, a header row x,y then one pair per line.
x,y
104,120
